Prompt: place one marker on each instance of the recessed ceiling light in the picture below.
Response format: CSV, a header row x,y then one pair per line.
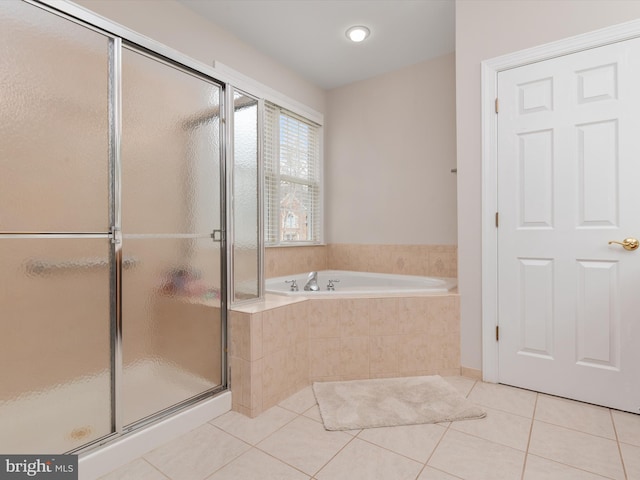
x,y
358,33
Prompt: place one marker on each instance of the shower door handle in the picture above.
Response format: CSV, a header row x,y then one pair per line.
x,y
217,235
115,235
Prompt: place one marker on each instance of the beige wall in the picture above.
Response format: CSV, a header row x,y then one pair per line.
x,y
175,26
486,29
389,151
398,126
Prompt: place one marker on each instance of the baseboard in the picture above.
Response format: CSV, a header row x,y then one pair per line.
x,y
473,373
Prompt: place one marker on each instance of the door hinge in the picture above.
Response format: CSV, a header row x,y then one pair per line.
x,y
497,333
497,106
497,219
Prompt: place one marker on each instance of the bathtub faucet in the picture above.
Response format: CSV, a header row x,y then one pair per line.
x,y
330,286
312,282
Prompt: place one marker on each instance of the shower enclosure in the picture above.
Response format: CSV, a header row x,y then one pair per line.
x,y
112,250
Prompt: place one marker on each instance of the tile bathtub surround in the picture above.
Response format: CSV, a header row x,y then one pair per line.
x,y
288,442
426,260
268,355
280,261
277,351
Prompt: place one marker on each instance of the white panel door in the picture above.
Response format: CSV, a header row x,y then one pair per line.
x,y
568,183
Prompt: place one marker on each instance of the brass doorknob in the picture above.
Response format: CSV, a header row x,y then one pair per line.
x,y
628,243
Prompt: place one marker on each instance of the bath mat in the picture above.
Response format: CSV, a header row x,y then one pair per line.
x,y
387,402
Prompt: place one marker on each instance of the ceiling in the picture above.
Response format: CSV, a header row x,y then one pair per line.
x,y
309,37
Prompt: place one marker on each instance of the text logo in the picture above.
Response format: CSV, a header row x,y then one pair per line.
x,y
49,467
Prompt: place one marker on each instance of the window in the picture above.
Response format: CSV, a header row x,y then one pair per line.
x,y
291,221
292,178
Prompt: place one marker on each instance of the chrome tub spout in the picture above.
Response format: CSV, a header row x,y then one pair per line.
x,y
312,282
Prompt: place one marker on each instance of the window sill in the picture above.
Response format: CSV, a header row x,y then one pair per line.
x,y
288,245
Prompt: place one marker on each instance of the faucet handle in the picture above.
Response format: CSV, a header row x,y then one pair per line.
x,y
331,285
294,285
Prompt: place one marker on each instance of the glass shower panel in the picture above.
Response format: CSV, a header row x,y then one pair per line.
x,y
172,331
55,347
170,149
246,238
172,344
53,123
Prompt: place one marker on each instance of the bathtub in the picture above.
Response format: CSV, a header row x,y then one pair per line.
x,y
361,284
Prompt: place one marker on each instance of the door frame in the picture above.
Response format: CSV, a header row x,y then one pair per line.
x,y
489,91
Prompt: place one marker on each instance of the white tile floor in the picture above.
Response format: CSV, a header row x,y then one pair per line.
x,y
525,435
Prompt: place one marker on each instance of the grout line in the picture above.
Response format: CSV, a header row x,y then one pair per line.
x,y
439,470
573,467
283,462
494,442
501,410
262,439
446,430
475,382
215,427
280,459
472,388
398,453
229,462
334,456
425,465
155,468
526,452
615,431
289,422
577,430
582,404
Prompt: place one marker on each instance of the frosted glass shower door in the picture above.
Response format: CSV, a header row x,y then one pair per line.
x,y
171,206
55,352
55,253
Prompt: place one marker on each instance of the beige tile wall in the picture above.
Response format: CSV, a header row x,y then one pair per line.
x,y
278,351
428,260
268,355
280,261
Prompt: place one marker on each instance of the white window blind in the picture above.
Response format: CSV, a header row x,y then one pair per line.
x,y
292,178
